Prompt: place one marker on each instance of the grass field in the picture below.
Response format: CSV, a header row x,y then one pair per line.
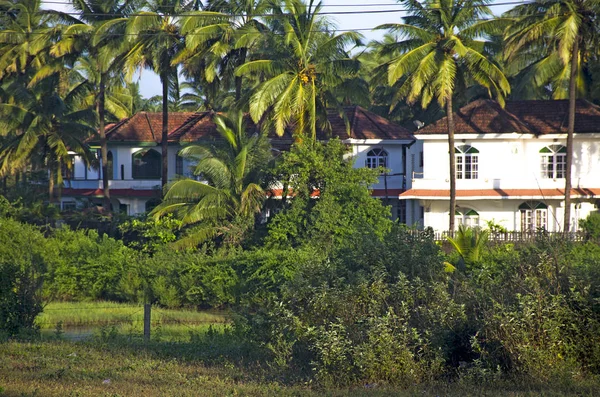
x,y
113,361
96,368
81,319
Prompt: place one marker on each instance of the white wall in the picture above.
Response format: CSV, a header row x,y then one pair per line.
x,y
395,177
509,164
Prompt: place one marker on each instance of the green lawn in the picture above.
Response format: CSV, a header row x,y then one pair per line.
x,y
182,359
101,368
81,319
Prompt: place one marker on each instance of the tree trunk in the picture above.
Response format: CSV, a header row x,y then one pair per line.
x,y
103,144
238,79
450,119
570,133
165,129
51,185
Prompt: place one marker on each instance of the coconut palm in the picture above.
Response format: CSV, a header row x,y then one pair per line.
x,y
301,80
442,44
155,37
551,40
44,125
94,44
28,32
232,194
469,244
220,37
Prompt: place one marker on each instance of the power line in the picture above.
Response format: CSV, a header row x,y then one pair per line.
x,y
195,15
329,30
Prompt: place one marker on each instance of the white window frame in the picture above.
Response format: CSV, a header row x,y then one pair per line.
x,y
553,162
467,162
467,216
534,216
377,157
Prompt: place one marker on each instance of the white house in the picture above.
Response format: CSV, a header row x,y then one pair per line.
x,y
134,157
510,166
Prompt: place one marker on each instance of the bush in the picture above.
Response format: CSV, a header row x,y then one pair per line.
x,y
591,226
87,266
23,256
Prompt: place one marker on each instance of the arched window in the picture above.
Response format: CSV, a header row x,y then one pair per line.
x,y
467,217
534,216
377,158
179,165
146,164
554,161
467,162
109,165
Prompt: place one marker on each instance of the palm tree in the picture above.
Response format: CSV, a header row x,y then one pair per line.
x,y
302,79
469,244
43,124
94,44
442,44
551,38
155,38
28,32
233,168
220,38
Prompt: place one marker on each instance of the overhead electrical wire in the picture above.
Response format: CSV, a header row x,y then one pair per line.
x,y
194,13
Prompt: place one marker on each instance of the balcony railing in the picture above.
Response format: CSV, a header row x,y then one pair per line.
x,y
509,237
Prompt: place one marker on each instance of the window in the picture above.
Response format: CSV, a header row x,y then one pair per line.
x,y
534,216
146,164
401,211
109,165
377,158
179,165
467,217
554,161
467,162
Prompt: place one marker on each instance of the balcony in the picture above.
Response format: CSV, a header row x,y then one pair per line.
x,y
136,184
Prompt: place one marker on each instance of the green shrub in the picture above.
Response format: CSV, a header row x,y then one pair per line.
x,y
88,266
24,254
591,226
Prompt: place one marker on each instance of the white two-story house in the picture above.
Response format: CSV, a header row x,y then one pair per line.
x,y
510,166
134,157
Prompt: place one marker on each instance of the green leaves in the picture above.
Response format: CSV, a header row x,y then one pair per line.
x,y
438,39
231,193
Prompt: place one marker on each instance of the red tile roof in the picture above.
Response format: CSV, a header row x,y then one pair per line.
x,y
533,117
145,127
380,193
189,127
500,193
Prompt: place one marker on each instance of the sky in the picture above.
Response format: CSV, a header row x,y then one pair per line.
x,y
364,18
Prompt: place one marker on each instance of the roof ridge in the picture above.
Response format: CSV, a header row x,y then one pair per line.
x,y
192,120
118,124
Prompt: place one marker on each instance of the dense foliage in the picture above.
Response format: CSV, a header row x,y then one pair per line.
x,y
319,278
334,292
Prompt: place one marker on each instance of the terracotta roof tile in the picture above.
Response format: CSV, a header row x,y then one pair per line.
x,y
534,117
190,127
145,127
501,193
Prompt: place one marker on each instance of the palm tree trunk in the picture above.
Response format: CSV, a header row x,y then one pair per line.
x,y
570,133
450,119
51,185
165,128
103,144
238,79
